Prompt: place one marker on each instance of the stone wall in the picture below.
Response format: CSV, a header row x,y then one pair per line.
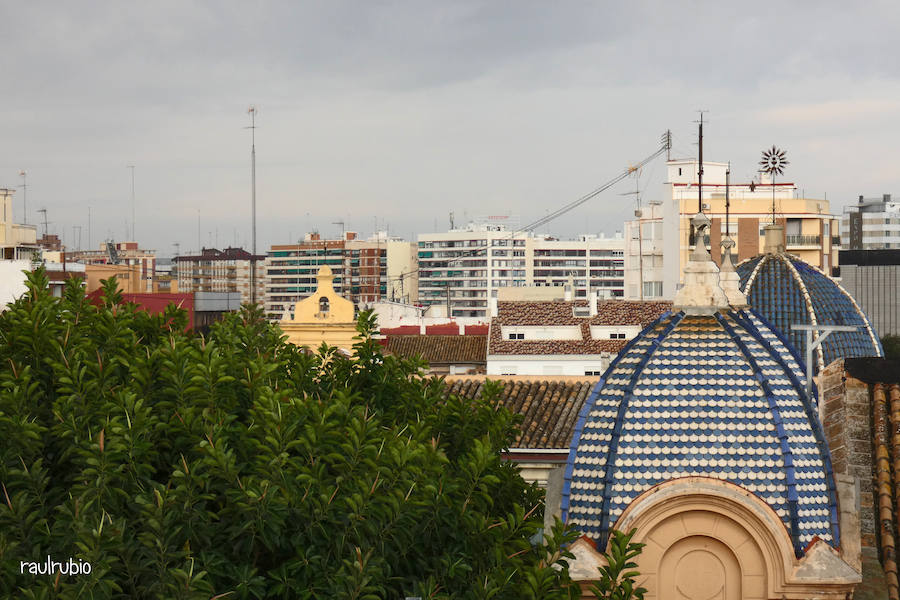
x,y
849,428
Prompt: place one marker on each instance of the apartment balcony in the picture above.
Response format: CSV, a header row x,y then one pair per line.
x,y
803,241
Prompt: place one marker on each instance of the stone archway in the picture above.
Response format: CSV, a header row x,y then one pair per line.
x,y
707,539
683,544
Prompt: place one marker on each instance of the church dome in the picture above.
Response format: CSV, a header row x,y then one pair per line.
x,y
787,291
715,396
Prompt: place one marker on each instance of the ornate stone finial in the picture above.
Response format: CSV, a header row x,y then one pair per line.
x,y
701,293
729,278
325,278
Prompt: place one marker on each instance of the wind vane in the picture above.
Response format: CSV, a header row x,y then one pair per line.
x,y
773,162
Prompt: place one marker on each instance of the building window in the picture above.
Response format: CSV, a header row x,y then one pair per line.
x,y
652,289
593,373
323,305
517,336
617,336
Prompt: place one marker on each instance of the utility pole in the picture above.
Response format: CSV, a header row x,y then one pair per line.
x,y
24,175
133,238
252,112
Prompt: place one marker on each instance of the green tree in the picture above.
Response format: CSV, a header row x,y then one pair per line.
x,y
236,465
891,345
617,576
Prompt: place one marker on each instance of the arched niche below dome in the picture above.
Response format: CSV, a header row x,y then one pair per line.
x,y
698,522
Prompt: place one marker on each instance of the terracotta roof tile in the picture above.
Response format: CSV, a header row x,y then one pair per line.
x,y
560,313
438,349
549,407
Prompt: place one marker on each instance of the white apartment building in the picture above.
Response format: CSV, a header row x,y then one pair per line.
x,y
644,272
464,268
871,224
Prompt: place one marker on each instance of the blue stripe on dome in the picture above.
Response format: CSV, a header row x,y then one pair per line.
x,y
812,416
589,405
609,467
787,454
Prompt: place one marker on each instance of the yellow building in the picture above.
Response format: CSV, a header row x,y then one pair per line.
x,y
323,317
811,231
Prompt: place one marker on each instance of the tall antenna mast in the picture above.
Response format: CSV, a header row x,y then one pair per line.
x,y
44,210
700,170
252,112
133,238
24,175
727,198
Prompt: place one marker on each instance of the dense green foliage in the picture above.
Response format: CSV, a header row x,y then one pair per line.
x,y
237,466
618,575
891,345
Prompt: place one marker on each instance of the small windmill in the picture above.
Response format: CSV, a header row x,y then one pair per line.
x,y
773,162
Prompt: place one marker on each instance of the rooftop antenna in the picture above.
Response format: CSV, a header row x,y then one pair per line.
x,y
252,112
24,175
700,170
177,249
77,237
727,198
773,162
44,210
90,244
638,213
133,238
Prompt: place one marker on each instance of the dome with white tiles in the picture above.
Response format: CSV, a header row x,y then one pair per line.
x,y
711,391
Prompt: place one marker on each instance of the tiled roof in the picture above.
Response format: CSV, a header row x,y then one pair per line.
x,y
549,407
556,313
440,349
787,291
716,396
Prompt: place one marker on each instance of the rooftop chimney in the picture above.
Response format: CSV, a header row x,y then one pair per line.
x,y
774,239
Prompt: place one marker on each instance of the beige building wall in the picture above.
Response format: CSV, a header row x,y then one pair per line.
x,y
402,272
128,277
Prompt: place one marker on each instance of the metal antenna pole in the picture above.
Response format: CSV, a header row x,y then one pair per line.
x,y
727,198
133,235
700,170
24,175
90,243
252,113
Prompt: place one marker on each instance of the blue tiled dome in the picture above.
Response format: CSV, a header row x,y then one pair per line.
x,y
788,291
709,395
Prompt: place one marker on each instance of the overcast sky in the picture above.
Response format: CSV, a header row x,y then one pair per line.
x,y
396,113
